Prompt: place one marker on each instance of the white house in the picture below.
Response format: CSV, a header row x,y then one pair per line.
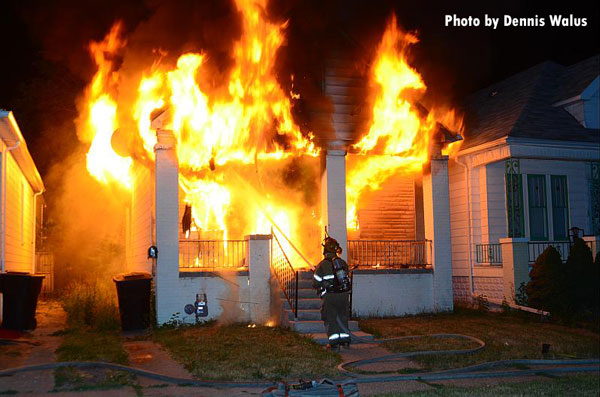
x,y
527,172
20,185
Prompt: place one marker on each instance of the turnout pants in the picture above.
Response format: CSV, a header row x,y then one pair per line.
x,y
335,305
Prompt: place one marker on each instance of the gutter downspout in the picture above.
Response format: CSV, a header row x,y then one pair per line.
x,y
469,225
33,232
3,232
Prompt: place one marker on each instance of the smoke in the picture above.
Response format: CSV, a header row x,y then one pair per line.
x,y
88,218
86,223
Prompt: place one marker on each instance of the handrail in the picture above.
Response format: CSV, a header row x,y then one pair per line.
x,y
389,253
287,277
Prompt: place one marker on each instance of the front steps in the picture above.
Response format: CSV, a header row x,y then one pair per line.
x,y
309,315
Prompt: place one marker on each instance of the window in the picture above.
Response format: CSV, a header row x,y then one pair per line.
x,y
514,205
538,218
595,198
560,204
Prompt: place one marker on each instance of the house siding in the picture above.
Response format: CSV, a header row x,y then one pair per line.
x,y
389,213
142,219
459,222
19,219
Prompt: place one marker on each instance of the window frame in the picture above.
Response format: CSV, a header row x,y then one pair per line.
x,y
553,200
544,200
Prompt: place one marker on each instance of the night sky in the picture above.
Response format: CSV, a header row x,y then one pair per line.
x,y
45,64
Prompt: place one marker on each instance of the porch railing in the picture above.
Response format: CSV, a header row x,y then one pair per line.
x,y
285,274
563,248
537,247
489,254
211,254
389,253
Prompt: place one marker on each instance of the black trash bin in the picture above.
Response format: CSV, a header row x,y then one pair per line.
x,y
133,290
20,294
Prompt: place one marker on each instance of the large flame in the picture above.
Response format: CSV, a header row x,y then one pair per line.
x,y
236,139
399,134
225,135
101,114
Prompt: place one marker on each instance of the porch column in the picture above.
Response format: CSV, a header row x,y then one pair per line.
x,y
436,208
515,265
594,243
333,196
259,274
167,225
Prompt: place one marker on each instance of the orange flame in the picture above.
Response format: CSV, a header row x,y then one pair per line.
x,y
222,134
398,133
102,162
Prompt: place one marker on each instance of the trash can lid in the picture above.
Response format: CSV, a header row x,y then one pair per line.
x,y
20,274
132,276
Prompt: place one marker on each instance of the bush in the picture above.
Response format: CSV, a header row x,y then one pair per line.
x,y
581,284
91,304
565,290
547,288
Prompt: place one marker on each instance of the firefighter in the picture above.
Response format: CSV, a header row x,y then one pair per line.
x,y
333,284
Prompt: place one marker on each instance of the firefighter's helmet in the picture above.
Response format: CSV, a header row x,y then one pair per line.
x,y
330,245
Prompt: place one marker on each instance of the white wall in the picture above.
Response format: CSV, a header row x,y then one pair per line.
x,y
227,300
392,293
141,228
20,218
458,219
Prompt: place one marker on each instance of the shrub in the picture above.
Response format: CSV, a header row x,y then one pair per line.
x,y
547,287
565,290
91,304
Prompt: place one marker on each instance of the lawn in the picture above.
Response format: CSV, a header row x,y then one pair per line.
x,y
507,336
583,385
83,344
238,352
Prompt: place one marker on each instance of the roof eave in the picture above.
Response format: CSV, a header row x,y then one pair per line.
x,y
12,137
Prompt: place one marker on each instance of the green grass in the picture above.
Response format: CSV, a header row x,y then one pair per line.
x,y
507,336
93,334
572,385
236,352
90,345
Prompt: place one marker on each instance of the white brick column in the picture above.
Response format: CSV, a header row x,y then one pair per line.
x,y
167,225
436,208
594,243
515,265
259,269
333,196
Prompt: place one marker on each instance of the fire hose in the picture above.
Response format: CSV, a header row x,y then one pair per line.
x,y
470,372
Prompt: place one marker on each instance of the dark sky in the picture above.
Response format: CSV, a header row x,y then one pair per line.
x,y
44,62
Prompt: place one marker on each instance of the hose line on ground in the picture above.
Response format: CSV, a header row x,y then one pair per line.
x,y
471,372
591,365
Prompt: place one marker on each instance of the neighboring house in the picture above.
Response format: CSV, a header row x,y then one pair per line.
x,y
527,172
20,186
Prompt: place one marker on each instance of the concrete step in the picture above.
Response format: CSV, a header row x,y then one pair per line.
x,y
305,284
307,314
303,293
305,275
317,327
309,303
322,339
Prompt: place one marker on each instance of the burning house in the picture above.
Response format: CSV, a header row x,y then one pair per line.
x,y
230,198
